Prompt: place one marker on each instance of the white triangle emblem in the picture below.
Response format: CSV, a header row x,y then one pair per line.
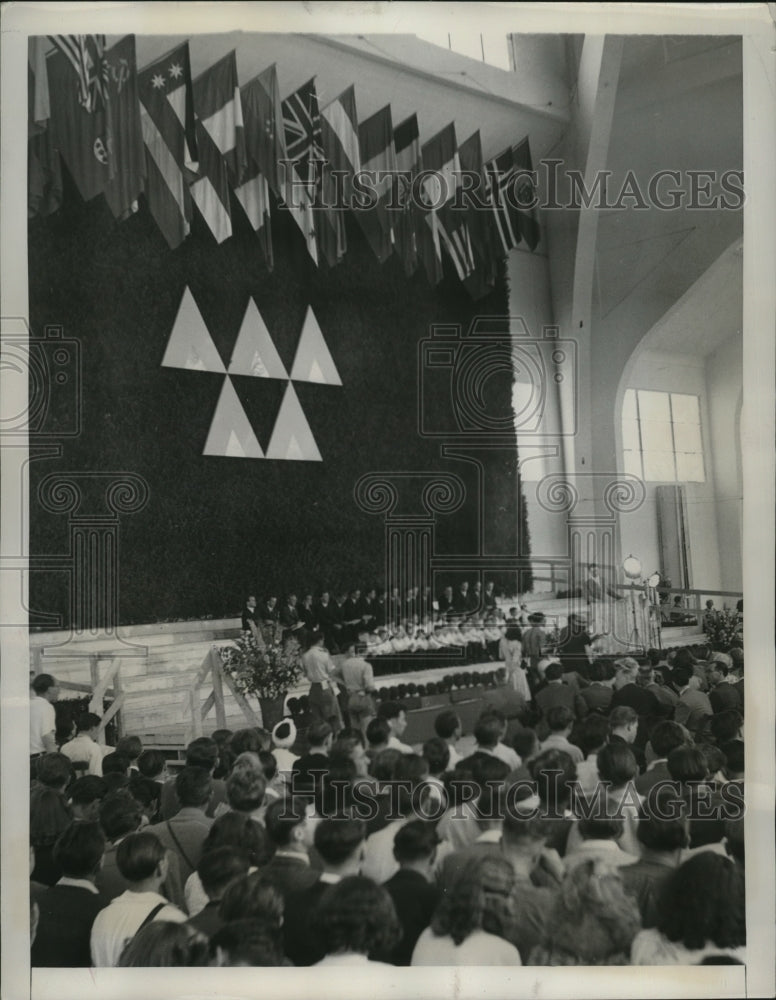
x,y
190,345
254,352
292,440
231,434
313,362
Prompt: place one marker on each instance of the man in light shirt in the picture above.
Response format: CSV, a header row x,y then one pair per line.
x,y
560,721
396,716
84,749
142,861
488,732
45,692
319,669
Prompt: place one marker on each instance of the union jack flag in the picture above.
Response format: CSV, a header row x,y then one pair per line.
x,y
86,54
302,130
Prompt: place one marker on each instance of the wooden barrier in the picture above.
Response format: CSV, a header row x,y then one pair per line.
x,y
107,686
212,667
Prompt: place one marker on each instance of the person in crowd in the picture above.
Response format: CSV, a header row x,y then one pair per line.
x,y
68,909
665,737
246,789
291,826
700,912
560,722
356,922
597,838
85,795
617,769
723,695
379,861
217,869
459,826
526,745
120,814
489,811
597,695
534,641
339,843
328,617
395,715
201,752
320,737
436,752
489,733
726,725
165,944
472,920
646,678
555,774
320,672
131,747
378,733
185,832
624,728
411,889
628,690
148,795
50,815
358,680
142,860
245,942
510,650
447,725
223,740
558,693
152,764
693,706
575,646
115,771
44,693
84,751
289,617
592,921
734,758
252,897
283,738
590,735
663,835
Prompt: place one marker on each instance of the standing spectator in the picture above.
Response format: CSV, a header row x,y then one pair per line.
x,y
723,695
395,715
665,737
68,909
436,752
693,707
50,815
245,943
379,861
320,737
597,839
358,679
217,869
558,693
141,860
84,749
131,747
523,842
164,944
414,896
120,815
203,752
489,733
560,722
153,765
590,735
510,650
447,725
85,796
624,728
490,815
320,670
534,641
356,923
575,646
187,829
291,827
43,720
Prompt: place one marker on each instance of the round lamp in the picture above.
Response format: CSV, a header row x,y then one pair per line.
x,y
632,567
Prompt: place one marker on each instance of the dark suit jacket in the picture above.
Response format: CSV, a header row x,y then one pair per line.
x,y
207,921
190,827
300,939
560,694
646,781
597,697
725,696
67,913
415,900
170,805
289,874
249,615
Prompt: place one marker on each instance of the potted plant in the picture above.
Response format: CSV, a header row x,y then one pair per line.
x,y
264,665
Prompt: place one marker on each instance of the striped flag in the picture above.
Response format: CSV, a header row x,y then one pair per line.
x,y
500,173
482,280
378,165
302,167
86,55
527,225
167,120
221,143
123,190
446,226
406,143
339,138
264,135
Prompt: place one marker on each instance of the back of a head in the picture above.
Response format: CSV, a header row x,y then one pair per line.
x,y
389,710
236,829
251,897
87,721
591,733
415,841
378,732
663,825
559,717
702,903
219,867
252,740
479,898
554,771
617,764
487,731
726,725
164,944
523,826
193,786
318,733
687,763
79,849
139,855
42,682
526,742
49,816
553,672
681,676
87,789
356,915
246,786
597,671
246,942
151,763
202,752
665,737
120,813
437,752
338,839
446,723
130,746
115,763
621,716
54,770
600,827
734,757
282,817
384,765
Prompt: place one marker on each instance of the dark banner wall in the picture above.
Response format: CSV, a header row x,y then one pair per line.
x,y
215,528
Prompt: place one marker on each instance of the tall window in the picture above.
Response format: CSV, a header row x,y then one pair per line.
x,y
661,436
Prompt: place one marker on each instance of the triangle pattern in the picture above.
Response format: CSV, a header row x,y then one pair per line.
x,y
231,435
254,353
292,440
190,345
313,362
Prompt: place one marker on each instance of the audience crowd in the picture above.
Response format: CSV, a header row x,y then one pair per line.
x,y
600,824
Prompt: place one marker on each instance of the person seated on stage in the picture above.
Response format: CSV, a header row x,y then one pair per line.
x,y
268,613
445,602
395,715
327,616
289,617
380,610
84,751
351,616
250,617
447,725
307,614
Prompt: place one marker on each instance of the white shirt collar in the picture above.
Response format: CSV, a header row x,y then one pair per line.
x,y
330,878
489,837
79,883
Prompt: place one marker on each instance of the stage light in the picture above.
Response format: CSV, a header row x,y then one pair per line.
x,y
632,567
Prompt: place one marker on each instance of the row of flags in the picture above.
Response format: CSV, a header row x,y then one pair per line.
x,y
195,145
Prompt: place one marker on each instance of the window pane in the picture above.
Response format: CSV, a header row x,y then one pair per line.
x,y
689,468
659,466
656,435
687,437
685,409
630,435
632,463
654,406
629,405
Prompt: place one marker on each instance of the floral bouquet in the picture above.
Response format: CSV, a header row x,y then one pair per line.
x,y
722,629
266,666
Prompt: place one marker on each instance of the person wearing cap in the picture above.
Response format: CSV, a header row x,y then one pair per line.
x,y
283,738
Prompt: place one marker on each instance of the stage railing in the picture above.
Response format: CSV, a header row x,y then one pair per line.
x,y
212,669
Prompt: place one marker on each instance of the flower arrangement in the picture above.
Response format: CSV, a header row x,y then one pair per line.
x,y
267,666
722,628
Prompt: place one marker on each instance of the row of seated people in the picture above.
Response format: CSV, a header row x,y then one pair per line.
x,y
507,849
346,615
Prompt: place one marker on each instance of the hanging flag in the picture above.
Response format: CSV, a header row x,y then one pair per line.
x,y
302,166
80,118
38,104
126,151
264,134
339,139
86,55
446,226
501,174
527,225
405,217
253,195
483,278
378,166
167,120
220,142
44,174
